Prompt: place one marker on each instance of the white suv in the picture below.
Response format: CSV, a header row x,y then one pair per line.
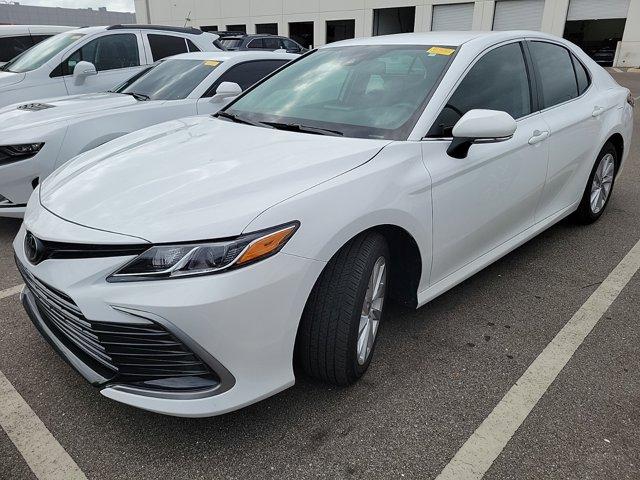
x,y
15,39
94,59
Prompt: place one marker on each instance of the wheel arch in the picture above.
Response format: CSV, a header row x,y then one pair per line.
x,y
618,142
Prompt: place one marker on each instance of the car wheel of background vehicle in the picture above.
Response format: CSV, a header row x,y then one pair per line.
x,y
339,325
599,187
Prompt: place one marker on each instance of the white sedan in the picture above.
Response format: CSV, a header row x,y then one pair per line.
x,y
37,137
186,269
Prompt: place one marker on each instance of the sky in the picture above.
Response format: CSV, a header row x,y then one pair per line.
x,y
114,5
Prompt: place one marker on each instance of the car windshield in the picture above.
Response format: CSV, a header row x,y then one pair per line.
x,y
230,43
172,79
41,53
357,91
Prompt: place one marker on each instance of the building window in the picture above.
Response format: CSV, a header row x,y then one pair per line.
x,y
340,30
209,28
302,32
267,28
237,28
393,20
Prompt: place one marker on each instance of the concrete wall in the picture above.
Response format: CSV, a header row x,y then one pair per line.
x,y
12,14
250,12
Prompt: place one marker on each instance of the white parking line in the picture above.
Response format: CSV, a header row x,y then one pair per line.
x,y
481,449
42,452
11,291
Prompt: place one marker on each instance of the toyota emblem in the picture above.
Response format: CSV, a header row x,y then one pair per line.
x,y
33,248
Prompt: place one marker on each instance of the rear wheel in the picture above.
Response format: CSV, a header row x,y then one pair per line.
x,y
599,187
340,323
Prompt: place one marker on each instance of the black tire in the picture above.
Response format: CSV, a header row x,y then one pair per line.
x,y
328,333
585,214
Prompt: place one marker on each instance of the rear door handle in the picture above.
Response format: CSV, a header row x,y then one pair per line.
x,y
538,136
597,111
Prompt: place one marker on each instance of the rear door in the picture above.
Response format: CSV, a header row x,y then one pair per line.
x,y
570,106
116,56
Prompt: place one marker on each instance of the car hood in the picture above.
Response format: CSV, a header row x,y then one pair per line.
x,y
32,114
10,78
195,178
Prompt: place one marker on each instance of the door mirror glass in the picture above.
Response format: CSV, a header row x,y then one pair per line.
x,y
226,90
480,126
84,69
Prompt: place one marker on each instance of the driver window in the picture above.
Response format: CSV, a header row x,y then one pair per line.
x,y
498,81
106,53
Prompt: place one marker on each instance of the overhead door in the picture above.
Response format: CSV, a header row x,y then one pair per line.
x,y
597,9
457,16
518,15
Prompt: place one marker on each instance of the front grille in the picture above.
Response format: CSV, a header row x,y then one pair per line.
x,y
140,354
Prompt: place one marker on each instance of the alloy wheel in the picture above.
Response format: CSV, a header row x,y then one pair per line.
x,y
602,183
371,310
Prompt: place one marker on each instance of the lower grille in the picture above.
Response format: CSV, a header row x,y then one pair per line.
x,y
142,354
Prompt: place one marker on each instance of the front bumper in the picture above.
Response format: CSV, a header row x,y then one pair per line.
x,y
243,323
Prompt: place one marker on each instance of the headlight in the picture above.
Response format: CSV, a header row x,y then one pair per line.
x,y
13,153
182,260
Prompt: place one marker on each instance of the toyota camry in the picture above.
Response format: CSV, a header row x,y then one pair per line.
x,y
186,268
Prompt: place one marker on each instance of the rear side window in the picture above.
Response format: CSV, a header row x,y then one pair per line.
x,y
166,45
556,74
498,81
581,75
192,46
255,43
106,53
11,47
246,74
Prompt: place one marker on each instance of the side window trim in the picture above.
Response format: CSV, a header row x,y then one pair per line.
x,y
471,65
571,57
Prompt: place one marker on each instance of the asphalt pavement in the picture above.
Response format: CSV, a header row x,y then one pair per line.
x,y
438,372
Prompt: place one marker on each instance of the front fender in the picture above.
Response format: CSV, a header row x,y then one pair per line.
x,y
394,188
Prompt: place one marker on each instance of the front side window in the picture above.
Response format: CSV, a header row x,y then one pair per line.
x,y
497,81
163,46
246,74
105,53
271,43
171,79
366,91
42,52
556,73
11,47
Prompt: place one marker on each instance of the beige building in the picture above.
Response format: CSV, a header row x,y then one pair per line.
x,y
609,30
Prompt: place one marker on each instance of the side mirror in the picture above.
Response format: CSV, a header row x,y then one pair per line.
x,y
480,126
226,90
84,69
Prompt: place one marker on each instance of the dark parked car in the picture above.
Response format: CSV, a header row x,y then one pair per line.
x,y
243,41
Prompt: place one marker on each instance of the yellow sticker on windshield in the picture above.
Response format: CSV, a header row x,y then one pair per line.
x,y
440,51
211,63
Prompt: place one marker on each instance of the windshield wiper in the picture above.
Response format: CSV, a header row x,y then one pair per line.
x,y
235,118
138,96
296,127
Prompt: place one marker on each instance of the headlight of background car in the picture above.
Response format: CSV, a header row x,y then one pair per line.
x,y
181,260
13,153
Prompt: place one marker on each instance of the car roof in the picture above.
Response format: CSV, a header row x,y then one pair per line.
x,y
453,39
8,29
235,56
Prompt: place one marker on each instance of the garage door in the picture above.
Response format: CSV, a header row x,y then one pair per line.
x,y
452,17
518,15
597,9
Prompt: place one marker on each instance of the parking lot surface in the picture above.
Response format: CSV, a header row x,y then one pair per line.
x,y
438,373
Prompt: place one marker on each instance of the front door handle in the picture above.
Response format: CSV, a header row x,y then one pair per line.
x,y
538,136
597,111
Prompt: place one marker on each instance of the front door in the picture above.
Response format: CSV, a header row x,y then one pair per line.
x,y
116,56
487,198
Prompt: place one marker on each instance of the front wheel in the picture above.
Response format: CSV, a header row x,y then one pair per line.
x,y
340,322
599,187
